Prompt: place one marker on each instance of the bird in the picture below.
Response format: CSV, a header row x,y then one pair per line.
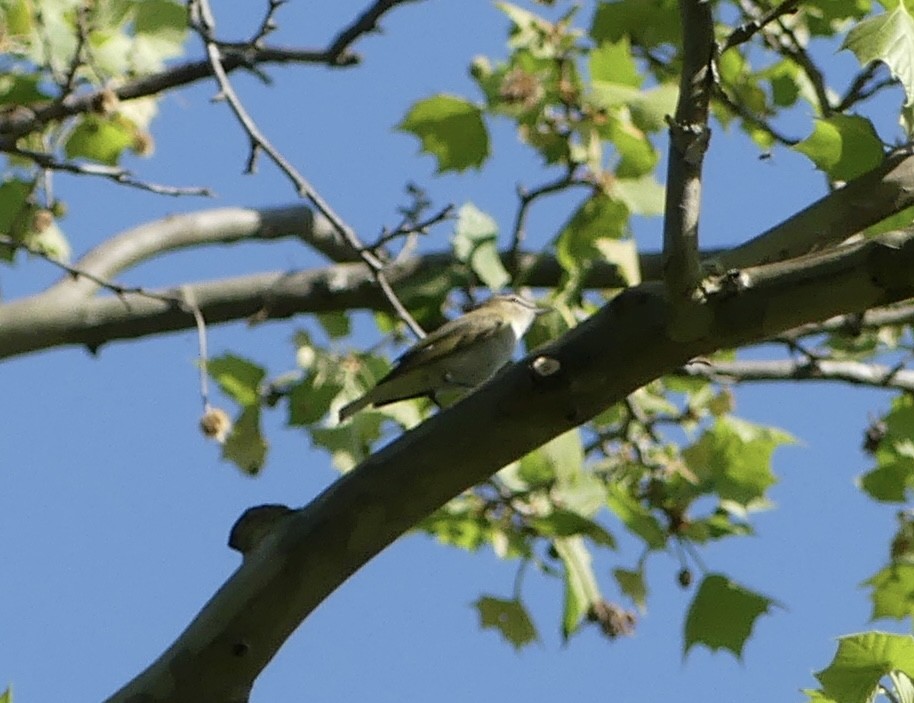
x,y
457,357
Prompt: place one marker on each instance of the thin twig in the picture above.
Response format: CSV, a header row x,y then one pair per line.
x,y
406,229
116,288
746,115
746,31
190,302
338,51
527,198
117,174
203,23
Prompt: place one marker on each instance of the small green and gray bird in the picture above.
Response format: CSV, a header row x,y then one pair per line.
x,y
457,357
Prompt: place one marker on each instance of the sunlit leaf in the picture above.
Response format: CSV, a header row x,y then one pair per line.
x,y
509,617
238,378
888,38
450,129
843,146
246,446
723,614
861,661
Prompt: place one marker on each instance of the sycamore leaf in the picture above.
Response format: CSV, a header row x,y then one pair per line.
x,y
238,378
888,38
647,22
509,617
246,446
475,243
722,615
450,129
861,661
733,459
100,139
636,517
893,592
843,146
632,584
581,590
567,523
613,62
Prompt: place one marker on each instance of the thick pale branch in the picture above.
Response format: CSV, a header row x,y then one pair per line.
x,y
310,552
689,134
51,320
864,201
219,226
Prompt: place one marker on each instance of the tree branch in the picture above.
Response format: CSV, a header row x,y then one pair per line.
x,y
18,123
595,365
689,135
855,372
861,203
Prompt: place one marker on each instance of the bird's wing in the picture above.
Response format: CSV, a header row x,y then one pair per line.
x,y
442,342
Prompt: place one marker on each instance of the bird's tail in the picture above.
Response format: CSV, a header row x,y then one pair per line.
x,y
352,408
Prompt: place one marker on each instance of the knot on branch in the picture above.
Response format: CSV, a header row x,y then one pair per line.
x,y
255,524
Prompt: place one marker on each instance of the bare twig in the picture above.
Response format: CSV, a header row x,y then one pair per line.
x,y
405,229
527,198
117,174
746,31
76,273
203,23
338,51
746,115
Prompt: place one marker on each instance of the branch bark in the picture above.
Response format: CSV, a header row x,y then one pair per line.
x,y
311,551
689,135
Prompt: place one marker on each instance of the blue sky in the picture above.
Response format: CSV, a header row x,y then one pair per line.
x,y
115,511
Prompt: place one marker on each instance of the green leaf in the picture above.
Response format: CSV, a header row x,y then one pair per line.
x,y
646,22
598,217
613,62
161,28
560,459
310,400
509,617
101,139
21,89
888,38
733,459
7,695
861,661
889,482
238,378
458,526
581,590
642,196
633,585
475,243
14,206
843,146
246,446
636,517
722,615
335,324
892,592
351,443
450,129
567,523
